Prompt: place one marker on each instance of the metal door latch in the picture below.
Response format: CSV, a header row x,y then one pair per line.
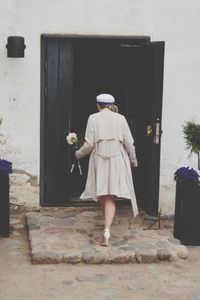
x,y
157,132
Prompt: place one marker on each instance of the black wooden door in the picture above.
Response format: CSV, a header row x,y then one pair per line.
x,y
57,82
150,89
143,74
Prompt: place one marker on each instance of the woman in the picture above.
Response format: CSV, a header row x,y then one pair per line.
x,y
109,140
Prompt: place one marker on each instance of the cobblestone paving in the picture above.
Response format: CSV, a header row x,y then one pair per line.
x,y
72,235
163,280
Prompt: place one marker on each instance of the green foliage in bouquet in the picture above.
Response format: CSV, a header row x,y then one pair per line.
x,y
191,131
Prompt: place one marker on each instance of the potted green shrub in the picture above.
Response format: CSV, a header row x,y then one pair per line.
x,y
5,169
187,206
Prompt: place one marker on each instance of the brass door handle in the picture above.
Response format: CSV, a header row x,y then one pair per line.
x,y
149,130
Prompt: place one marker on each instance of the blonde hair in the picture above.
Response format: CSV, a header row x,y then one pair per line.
x,y
112,107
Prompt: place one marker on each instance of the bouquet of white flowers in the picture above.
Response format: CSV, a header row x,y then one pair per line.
x,y
76,142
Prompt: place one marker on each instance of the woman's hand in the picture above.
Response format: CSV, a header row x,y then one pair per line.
x,y
134,164
76,155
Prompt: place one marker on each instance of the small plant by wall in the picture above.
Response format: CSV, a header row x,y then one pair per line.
x,y
191,131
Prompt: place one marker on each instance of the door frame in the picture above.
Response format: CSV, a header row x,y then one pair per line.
x,y
125,40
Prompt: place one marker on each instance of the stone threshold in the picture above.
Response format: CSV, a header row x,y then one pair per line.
x,y
71,236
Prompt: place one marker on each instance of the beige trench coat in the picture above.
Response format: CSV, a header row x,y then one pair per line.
x,y
110,142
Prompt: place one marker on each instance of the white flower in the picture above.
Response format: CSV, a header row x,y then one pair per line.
x,y
72,138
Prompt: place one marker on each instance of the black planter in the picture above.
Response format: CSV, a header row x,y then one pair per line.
x,y
187,214
4,205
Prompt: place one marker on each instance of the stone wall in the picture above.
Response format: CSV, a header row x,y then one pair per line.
x,y
24,190
173,21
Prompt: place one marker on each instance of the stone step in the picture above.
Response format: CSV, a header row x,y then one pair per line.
x,y
73,236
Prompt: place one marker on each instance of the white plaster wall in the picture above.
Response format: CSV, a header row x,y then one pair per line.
x,y
174,21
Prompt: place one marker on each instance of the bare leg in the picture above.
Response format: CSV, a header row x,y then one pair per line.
x,y
102,204
109,210
108,207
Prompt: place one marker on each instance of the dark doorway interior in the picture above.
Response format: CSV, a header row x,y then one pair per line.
x,y
103,69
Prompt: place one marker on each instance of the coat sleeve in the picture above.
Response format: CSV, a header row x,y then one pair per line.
x,y
89,140
128,142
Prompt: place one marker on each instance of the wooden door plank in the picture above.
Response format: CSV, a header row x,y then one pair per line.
x,y
57,108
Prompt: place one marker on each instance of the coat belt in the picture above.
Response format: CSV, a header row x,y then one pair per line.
x,y
107,156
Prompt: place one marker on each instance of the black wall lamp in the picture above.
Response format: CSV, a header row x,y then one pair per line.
x,y
15,46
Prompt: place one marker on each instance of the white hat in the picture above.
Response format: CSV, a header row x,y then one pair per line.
x,y
105,99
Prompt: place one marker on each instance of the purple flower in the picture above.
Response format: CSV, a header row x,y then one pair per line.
x,y
5,166
186,175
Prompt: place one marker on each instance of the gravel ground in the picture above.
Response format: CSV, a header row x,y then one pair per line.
x,y
20,280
